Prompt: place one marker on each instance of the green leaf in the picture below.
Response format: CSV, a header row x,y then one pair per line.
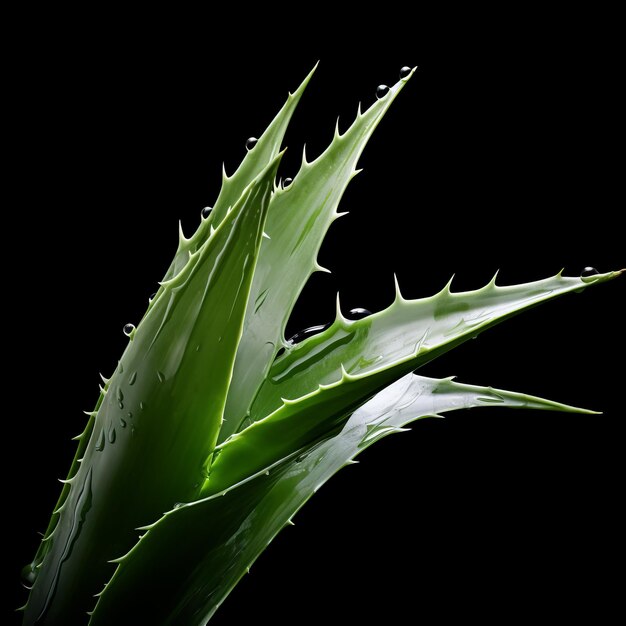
x,y
298,219
168,581
255,161
161,414
313,388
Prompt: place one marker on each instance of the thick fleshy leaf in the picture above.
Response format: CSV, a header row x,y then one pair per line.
x,y
233,186
317,384
172,582
160,417
256,160
298,219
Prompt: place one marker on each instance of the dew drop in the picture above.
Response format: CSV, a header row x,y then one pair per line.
x,y
381,91
307,332
122,422
120,367
178,505
405,71
152,297
132,378
129,415
358,313
101,442
287,182
588,273
206,212
120,394
28,575
198,348
132,431
129,329
161,376
112,434
251,142
142,406
120,404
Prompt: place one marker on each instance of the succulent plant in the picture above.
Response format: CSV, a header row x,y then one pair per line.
x,y
214,429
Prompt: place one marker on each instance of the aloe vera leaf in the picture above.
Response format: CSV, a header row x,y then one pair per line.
x,y
160,417
172,582
298,219
318,383
255,161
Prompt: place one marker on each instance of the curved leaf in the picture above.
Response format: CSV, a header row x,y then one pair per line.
x,y
255,161
318,383
172,582
298,219
158,421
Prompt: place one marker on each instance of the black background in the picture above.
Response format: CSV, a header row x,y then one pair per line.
x,y
506,151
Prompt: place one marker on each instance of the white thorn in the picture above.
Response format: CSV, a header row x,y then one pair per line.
x,y
492,282
181,235
339,314
448,286
266,236
399,297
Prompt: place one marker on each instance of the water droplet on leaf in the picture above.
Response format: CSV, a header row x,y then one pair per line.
x,y
381,91
358,313
112,434
308,332
405,71
152,297
588,273
287,182
161,376
132,378
28,575
122,422
206,212
128,329
101,442
251,142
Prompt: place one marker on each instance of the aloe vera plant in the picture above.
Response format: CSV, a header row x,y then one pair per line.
x,y
214,430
